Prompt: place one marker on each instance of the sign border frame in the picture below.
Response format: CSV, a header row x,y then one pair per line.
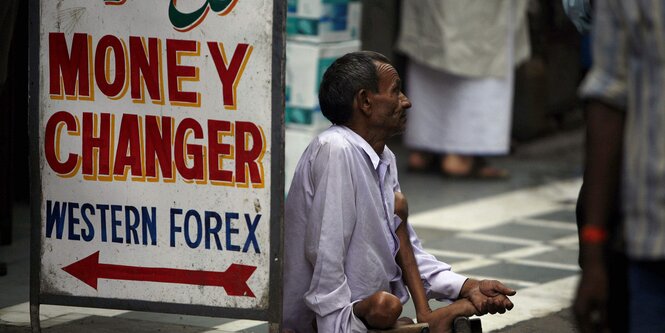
x,y
273,314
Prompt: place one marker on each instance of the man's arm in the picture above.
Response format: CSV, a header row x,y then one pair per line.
x,y
407,261
440,320
606,87
487,296
601,182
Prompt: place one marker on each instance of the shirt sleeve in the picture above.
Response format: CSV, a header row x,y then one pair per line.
x,y
607,80
329,229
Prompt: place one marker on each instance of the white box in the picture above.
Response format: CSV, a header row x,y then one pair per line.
x,y
323,21
313,8
305,65
295,142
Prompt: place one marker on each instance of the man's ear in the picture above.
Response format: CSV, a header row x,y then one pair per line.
x,y
364,101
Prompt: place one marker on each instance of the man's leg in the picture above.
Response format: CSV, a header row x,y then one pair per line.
x,y
380,310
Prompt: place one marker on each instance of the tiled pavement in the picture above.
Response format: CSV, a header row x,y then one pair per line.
x,y
526,238
523,251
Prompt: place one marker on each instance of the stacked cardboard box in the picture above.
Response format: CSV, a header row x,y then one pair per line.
x,y
323,21
318,32
305,65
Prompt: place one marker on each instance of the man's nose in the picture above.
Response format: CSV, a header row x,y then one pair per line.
x,y
406,103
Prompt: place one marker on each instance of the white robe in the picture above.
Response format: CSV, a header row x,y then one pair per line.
x,y
455,114
468,115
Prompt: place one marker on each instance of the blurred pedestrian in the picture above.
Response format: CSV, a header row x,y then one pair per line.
x,y
462,56
625,154
616,303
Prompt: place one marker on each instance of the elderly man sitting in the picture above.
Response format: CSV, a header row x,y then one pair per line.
x,y
341,270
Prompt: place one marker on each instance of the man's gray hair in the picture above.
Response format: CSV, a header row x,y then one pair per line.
x,y
343,79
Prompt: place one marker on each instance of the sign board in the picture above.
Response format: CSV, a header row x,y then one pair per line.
x,y
158,135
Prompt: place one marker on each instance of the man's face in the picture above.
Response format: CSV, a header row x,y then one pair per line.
x,y
389,104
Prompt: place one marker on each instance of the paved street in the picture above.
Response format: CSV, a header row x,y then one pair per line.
x,y
521,231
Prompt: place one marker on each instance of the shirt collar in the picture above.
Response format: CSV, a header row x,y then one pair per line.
x,y
359,141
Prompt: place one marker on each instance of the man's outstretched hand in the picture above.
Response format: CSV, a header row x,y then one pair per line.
x,y
488,296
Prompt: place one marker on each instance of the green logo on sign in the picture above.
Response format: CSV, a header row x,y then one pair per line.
x,y
188,21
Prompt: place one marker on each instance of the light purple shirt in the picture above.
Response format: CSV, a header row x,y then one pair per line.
x,y
340,241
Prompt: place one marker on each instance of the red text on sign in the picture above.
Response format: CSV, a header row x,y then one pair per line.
x,y
154,148
138,66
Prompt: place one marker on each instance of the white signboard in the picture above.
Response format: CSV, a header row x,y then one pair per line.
x,y
155,127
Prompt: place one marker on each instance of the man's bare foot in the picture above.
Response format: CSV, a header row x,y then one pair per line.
x,y
420,161
461,166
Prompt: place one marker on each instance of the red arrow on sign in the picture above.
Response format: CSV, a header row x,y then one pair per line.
x,y
234,279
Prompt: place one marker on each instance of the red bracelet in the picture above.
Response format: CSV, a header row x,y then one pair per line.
x,y
591,234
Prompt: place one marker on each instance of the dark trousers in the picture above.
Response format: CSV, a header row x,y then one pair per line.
x,y
647,292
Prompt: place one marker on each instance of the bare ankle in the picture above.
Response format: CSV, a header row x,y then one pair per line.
x,y
456,164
